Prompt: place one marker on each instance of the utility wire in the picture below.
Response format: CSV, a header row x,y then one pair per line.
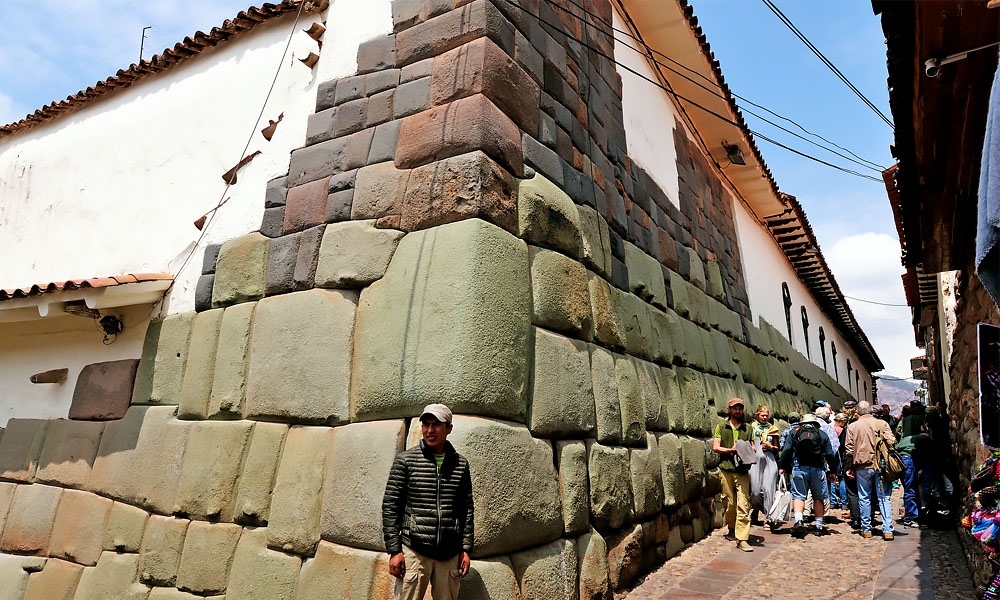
x,y
699,106
253,130
791,26
714,84
873,302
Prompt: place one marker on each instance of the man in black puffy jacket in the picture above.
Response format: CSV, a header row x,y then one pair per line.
x,y
427,513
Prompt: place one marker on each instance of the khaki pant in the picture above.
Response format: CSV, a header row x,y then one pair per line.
x,y
736,488
420,570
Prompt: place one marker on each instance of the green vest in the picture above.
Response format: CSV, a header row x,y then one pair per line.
x,y
728,436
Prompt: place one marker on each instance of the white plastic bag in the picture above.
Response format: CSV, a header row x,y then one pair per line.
x,y
781,508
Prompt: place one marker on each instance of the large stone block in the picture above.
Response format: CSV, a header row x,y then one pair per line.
x,y
562,403
467,186
593,569
711,364
6,498
29,521
360,457
239,274
596,249
691,349
337,572
548,572
354,254
630,401
207,557
160,554
560,294
547,217
697,412
378,191
57,580
126,526
78,531
464,125
287,384
164,356
490,579
259,573
610,488
451,29
450,322
654,395
297,500
103,390
253,496
573,486
647,481
68,452
604,301
482,67
139,460
665,326
14,575
112,579
633,314
211,466
232,361
679,294
645,277
196,388
693,451
624,557
670,448
606,402
517,502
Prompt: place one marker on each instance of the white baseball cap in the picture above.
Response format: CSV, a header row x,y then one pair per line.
x,y
439,411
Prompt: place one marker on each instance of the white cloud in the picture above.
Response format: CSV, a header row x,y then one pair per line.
x,y
867,268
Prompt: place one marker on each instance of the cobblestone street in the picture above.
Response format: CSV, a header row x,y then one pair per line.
x,y
920,564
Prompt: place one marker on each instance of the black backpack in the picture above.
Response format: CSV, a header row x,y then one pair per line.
x,y
808,444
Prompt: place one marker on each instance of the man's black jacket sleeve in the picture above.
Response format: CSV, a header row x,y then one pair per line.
x,y
394,506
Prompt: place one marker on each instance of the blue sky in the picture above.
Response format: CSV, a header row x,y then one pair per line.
x,y
49,50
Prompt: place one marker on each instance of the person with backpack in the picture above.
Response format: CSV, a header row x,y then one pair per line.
x,y
735,479
859,449
813,463
907,429
850,483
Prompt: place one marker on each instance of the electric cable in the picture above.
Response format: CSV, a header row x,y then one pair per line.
x,y
703,108
874,302
791,26
253,131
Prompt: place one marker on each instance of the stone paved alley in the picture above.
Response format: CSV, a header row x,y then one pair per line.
x,y
920,564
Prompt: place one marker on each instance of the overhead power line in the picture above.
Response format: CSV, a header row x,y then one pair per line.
x,y
874,302
791,26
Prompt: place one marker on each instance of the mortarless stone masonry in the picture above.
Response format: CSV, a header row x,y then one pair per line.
x,y
524,270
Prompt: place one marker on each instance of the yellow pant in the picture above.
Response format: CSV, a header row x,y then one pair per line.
x,y
442,575
736,488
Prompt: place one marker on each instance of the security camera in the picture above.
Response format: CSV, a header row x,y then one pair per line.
x,y
932,67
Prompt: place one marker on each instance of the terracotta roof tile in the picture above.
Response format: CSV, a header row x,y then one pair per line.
x,y
183,50
75,284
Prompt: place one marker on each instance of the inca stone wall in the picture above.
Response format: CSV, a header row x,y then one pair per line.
x,y
462,226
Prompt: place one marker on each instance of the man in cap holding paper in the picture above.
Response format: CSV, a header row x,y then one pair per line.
x,y
735,480
427,513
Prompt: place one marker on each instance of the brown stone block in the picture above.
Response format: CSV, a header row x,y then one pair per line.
x,y
56,581
378,191
162,545
210,469
103,390
207,557
462,187
78,532
305,205
465,125
68,453
452,29
29,522
481,67
19,448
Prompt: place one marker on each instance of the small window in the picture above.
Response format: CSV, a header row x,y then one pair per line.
x,y
805,331
857,383
833,352
849,369
866,392
822,345
786,298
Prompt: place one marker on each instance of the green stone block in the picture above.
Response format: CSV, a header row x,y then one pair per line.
x,y
696,268
596,241
490,579
666,328
670,449
698,306
160,374
547,217
353,254
630,400
232,361
697,413
562,399
283,382
547,572
610,486
633,314
679,293
673,402
645,277
723,354
607,405
713,281
647,482
711,363
574,488
605,301
450,322
560,294
196,388
653,395
692,346
694,467
239,272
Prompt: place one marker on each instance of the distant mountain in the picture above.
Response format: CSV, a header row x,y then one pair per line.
x,y
896,393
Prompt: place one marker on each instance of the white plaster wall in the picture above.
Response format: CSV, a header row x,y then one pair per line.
x,y
644,105
764,269
115,188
